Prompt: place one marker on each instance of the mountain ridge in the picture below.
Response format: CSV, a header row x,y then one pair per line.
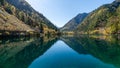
x,y
72,24
24,6
100,21
23,12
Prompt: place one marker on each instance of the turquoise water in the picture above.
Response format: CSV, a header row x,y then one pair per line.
x,y
64,52
60,55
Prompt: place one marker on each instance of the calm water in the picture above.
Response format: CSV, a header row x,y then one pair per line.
x,y
63,52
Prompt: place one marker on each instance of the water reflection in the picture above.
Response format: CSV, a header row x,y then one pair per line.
x,y
67,52
62,56
20,52
105,48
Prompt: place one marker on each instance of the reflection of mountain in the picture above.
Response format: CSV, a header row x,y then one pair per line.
x,y
20,53
105,48
74,44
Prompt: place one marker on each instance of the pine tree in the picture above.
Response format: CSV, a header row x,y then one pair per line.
x,y
2,2
41,28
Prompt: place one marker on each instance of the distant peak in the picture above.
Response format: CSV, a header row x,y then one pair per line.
x,y
117,0
82,13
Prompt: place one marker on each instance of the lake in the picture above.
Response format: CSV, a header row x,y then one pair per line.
x,y
60,52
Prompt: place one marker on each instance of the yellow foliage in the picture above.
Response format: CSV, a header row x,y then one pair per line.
x,y
7,33
3,17
31,32
0,33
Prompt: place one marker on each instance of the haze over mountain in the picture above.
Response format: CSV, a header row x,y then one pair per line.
x,y
72,24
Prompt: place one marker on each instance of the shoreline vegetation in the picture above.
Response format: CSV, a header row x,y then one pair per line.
x,y
18,18
6,33
86,33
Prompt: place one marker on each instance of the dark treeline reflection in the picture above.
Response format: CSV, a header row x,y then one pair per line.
x,y
105,48
20,52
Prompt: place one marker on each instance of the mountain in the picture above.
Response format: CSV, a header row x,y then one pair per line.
x,y
11,23
23,12
104,20
72,24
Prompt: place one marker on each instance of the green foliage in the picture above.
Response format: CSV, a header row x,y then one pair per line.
x,y
106,17
8,9
2,2
24,12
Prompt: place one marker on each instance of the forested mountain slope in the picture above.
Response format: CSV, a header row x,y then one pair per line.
x,y
104,20
27,15
73,23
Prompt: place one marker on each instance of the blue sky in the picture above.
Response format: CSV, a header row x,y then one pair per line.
x,y
59,12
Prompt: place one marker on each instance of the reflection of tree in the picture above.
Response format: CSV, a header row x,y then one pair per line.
x,y
106,49
27,51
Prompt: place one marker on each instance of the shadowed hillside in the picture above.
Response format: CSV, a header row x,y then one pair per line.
x,y
73,23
